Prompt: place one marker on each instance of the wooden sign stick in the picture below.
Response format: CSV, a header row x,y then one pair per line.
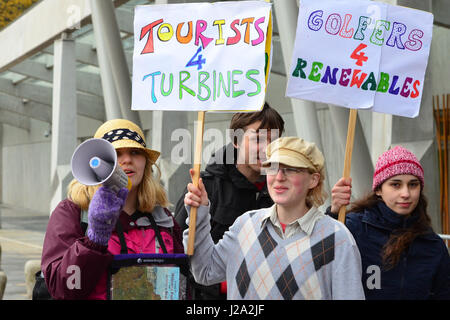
x,y
348,153
437,119
195,178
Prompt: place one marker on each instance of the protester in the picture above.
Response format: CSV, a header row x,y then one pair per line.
x,y
288,251
233,178
402,257
113,219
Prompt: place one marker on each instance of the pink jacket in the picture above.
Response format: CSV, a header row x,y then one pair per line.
x,y
66,249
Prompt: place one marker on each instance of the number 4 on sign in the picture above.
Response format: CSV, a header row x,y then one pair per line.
x,y
360,57
198,62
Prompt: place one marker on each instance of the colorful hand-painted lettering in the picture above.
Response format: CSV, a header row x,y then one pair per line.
x,y
361,55
345,28
238,26
207,56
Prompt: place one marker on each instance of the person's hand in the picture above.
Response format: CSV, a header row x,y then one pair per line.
x,y
340,194
196,196
104,210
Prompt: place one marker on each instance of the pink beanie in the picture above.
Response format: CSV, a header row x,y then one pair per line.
x,y
394,162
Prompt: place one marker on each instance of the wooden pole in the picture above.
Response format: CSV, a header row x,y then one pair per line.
x,y
445,158
195,178
348,153
437,118
444,106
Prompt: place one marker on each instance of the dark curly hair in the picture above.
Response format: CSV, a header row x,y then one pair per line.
x,y
400,239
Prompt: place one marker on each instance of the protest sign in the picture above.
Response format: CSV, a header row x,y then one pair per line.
x,y
361,54
200,56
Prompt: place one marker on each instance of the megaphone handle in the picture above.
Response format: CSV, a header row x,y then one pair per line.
x,y
115,188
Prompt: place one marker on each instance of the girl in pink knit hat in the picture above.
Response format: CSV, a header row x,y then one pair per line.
x,y
402,258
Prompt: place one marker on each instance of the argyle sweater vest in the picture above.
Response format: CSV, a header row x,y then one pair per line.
x,y
258,264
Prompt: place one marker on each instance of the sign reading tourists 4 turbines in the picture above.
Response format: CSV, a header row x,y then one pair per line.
x,y
201,57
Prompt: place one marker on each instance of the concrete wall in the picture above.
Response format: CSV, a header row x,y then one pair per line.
x,y
440,68
26,167
25,176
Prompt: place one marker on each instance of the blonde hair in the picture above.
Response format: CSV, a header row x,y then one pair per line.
x,y
150,191
316,196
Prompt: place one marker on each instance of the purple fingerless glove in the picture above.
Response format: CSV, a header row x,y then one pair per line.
x,y
104,210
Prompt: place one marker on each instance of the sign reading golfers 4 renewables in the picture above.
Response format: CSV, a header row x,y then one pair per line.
x,y
361,54
200,56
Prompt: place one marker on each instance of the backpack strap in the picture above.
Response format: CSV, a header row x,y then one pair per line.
x,y
119,229
167,211
157,232
123,243
84,221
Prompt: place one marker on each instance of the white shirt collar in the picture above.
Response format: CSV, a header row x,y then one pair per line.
x,y
306,223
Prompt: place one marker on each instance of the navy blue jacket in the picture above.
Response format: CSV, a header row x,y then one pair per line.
x,y
423,271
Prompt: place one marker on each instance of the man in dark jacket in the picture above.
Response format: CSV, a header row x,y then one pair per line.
x,y
233,179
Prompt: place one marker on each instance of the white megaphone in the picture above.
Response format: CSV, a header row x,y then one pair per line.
x,y
95,162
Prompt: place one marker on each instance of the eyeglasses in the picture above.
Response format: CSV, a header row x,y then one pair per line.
x,y
287,171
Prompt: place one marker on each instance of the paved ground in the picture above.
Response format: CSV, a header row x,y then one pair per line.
x,y
21,236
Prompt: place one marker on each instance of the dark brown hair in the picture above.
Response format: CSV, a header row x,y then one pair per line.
x,y
400,239
269,117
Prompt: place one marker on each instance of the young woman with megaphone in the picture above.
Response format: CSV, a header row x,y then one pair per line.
x,y
75,264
